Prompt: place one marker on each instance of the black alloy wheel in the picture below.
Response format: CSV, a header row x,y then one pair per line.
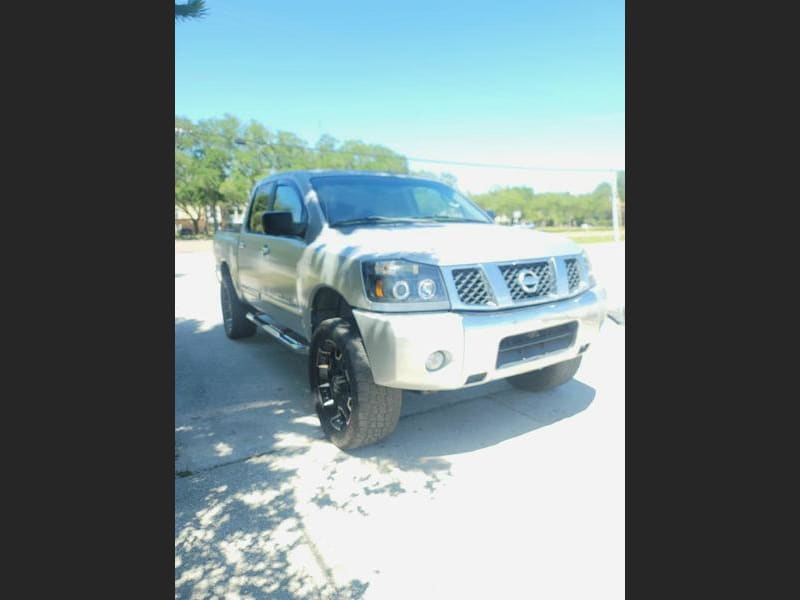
x,y
336,397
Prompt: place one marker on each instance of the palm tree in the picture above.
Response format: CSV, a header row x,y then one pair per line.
x,y
193,9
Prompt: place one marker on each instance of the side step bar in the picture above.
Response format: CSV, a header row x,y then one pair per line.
x,y
279,334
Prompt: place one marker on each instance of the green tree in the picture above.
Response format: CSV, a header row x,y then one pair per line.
x,y
204,153
551,208
253,158
216,150
188,189
361,156
219,160
291,152
328,155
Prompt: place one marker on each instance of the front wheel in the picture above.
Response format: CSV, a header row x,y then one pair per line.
x,y
547,378
353,410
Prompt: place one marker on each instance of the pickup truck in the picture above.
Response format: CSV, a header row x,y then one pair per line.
x,y
392,283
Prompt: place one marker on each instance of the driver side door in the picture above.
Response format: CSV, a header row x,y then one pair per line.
x,y
250,254
279,283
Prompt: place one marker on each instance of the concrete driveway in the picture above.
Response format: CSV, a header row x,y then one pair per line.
x,y
484,493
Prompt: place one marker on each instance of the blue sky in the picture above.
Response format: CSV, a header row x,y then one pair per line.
x,y
533,83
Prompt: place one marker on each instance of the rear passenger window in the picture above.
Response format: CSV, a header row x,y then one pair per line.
x,y
259,208
288,200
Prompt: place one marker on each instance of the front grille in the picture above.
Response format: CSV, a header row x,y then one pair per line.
x,y
573,274
543,271
525,346
471,286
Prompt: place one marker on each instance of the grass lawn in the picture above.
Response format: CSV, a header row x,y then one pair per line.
x,y
586,236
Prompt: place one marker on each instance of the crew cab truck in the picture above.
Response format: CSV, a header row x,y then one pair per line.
x,y
392,283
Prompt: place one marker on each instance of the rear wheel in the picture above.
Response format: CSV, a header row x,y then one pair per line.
x,y
353,410
547,378
233,311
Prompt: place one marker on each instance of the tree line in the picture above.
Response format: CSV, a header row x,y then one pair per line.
x,y
218,160
561,209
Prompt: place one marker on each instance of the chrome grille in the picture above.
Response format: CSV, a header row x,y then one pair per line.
x,y
471,286
543,270
573,274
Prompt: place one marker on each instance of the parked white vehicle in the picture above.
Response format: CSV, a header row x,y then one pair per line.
x,y
390,282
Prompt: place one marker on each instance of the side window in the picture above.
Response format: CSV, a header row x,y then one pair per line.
x,y
287,199
259,207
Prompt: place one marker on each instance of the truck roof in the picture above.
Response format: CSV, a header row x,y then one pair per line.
x,y
304,175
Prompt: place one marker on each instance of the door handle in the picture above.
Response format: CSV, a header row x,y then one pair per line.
x,y
265,250
242,245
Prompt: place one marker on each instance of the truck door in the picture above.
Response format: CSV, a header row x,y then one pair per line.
x,y
250,258
278,273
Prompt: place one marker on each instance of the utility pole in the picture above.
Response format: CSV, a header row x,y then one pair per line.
x,y
614,207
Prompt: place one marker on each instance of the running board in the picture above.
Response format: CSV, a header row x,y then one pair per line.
x,y
279,334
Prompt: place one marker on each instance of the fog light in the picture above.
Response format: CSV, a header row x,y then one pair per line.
x,y
435,361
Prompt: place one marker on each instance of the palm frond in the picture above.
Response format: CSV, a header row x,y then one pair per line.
x,y
193,9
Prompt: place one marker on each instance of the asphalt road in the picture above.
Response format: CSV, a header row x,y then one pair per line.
x,y
482,493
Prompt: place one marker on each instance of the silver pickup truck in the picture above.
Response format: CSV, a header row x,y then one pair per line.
x,y
394,283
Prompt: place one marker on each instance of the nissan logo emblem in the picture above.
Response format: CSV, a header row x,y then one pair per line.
x,y
528,281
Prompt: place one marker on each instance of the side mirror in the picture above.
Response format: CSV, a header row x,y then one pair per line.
x,y
491,214
281,223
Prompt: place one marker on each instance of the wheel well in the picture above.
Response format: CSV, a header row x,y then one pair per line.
x,y
225,272
328,303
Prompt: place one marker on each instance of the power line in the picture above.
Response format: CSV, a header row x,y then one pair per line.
x,y
241,142
517,167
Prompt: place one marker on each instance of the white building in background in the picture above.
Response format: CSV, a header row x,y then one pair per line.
x,y
235,217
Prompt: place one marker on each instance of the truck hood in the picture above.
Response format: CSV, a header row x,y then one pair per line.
x,y
448,244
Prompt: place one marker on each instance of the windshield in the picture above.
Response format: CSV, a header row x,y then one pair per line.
x,y
361,199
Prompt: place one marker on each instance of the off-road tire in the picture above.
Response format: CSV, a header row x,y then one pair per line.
x,y
374,409
547,378
234,320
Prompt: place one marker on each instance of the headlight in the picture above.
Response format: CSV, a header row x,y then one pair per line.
x,y
426,289
403,281
587,267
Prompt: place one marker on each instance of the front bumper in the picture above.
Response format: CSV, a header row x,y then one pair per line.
x,y
399,344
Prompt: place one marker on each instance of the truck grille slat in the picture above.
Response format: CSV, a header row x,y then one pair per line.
x,y
471,286
543,271
573,274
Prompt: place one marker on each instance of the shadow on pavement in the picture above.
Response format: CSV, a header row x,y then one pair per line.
x,y
481,421
253,469
238,529
257,390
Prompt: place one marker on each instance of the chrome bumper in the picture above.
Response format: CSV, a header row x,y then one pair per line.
x,y
399,344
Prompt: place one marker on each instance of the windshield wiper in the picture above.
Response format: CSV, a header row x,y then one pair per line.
x,y
375,219
454,219
420,219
